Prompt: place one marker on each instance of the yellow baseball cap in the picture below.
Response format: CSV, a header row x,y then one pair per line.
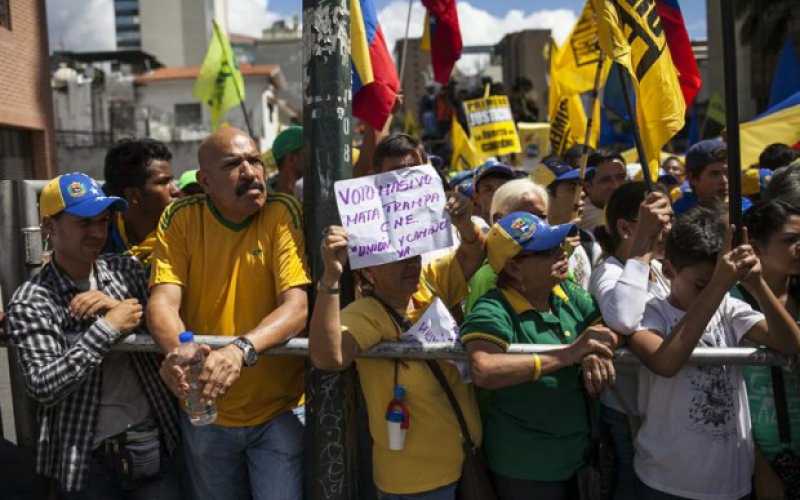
x,y
77,194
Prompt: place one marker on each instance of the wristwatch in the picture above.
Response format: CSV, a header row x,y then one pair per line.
x,y
250,354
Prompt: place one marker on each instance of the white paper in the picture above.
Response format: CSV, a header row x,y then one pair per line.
x,y
437,325
393,216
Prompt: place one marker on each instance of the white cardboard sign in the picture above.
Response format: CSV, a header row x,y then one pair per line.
x,y
393,216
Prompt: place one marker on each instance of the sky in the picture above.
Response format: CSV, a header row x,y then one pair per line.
x,y
483,22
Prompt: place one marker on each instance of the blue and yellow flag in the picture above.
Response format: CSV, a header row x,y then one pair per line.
x,y
634,37
220,84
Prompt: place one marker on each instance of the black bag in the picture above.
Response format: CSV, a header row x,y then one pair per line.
x,y
786,464
134,456
596,478
475,482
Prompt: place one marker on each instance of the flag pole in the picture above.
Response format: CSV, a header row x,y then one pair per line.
x,y
732,115
596,92
244,110
625,80
405,44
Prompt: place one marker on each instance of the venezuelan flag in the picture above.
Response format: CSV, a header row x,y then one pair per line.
x,y
375,81
780,123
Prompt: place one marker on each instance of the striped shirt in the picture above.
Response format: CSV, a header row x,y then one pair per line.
x,y
61,360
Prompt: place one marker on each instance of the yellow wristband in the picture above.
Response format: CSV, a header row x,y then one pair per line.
x,y
537,367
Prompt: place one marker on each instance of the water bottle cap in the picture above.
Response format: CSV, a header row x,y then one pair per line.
x,y
185,337
396,415
399,391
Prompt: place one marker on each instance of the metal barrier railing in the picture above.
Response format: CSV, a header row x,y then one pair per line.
x,y
455,351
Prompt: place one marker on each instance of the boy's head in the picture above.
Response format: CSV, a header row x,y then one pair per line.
x,y
486,181
607,174
561,181
776,156
707,170
691,252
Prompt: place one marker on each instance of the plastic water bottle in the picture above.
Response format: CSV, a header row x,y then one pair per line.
x,y
193,358
397,419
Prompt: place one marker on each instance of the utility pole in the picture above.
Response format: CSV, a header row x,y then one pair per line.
x,y
331,430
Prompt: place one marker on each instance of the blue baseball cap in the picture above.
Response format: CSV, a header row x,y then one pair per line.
x,y
555,170
492,167
77,194
523,232
705,153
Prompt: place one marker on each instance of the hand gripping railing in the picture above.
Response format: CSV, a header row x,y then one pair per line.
x,y
452,350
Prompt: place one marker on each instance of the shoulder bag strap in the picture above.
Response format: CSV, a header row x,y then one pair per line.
x,y
439,374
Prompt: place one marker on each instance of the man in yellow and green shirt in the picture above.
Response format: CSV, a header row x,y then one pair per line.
x,y
139,171
231,263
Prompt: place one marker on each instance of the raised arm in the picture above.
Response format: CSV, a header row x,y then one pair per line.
x,y
329,347
472,252
666,357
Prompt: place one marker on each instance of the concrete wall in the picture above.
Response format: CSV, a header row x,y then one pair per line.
x,y
90,159
25,100
163,96
523,55
177,32
160,21
288,54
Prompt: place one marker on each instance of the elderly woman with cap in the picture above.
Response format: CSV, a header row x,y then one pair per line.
x,y
536,429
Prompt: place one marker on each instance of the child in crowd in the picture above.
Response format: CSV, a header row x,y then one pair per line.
x,y
695,440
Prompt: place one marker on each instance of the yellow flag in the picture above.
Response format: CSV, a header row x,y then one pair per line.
x,y
465,154
220,84
635,36
425,43
574,64
567,114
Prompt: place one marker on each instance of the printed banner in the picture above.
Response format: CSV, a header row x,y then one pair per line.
x,y
393,216
491,125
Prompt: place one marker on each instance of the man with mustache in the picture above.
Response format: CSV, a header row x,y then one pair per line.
x,y
231,262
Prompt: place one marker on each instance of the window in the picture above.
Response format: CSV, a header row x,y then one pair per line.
x,y
16,153
5,14
188,115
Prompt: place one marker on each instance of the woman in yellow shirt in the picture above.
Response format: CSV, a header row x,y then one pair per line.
x,y
429,464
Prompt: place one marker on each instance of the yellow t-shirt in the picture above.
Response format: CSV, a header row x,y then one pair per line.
x,y
433,454
231,276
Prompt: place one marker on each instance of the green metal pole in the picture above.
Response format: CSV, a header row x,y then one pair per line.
x,y
331,430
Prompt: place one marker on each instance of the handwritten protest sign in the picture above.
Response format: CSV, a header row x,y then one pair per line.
x,y
393,216
491,125
436,325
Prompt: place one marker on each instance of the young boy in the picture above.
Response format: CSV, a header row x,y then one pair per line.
x,y
695,440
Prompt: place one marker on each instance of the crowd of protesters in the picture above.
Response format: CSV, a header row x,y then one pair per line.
x,y
547,257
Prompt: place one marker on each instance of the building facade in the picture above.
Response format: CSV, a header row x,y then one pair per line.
x,y
177,32
26,113
126,23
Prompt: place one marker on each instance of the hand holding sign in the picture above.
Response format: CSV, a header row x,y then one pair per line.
x,y
395,215
334,254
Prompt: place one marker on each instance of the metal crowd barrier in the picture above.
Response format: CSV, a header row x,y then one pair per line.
x,y
455,351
